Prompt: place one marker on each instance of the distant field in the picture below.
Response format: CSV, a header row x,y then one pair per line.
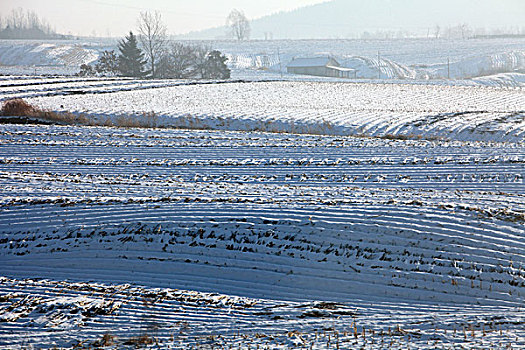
x,y
408,59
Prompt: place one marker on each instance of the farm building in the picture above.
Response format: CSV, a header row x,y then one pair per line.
x,y
320,66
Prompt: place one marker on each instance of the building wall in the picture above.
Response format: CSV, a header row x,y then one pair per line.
x,y
318,71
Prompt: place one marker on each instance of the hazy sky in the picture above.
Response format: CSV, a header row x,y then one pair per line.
x,y
116,17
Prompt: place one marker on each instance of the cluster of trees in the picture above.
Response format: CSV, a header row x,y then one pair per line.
x,y
20,24
176,61
459,31
192,61
157,57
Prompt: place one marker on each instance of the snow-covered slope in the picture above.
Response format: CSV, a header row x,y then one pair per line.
x,y
52,56
51,53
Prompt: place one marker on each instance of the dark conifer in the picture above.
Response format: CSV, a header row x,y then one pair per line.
x,y
131,58
215,67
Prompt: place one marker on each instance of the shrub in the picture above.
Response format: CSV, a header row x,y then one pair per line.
x,y
107,64
86,70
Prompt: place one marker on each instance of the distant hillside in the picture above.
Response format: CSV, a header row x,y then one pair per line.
x,y
28,33
387,18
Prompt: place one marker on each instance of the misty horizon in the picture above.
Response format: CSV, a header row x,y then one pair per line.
x,y
334,19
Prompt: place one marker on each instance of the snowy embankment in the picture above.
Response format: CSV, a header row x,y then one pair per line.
x,y
329,241
383,110
48,57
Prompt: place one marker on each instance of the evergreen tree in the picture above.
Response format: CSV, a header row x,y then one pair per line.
x,y
131,58
215,66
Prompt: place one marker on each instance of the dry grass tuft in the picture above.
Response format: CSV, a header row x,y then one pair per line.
x,y
19,111
404,137
146,120
20,108
17,108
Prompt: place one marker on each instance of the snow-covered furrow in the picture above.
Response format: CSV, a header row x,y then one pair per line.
x,y
469,199
387,110
15,82
419,242
76,185
390,252
82,87
50,53
60,87
177,319
201,163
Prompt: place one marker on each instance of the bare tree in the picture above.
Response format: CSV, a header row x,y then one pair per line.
x,y
200,59
465,30
437,31
152,37
183,58
33,22
17,18
239,25
20,24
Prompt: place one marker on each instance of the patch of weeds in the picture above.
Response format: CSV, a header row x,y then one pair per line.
x,y
139,341
107,340
18,108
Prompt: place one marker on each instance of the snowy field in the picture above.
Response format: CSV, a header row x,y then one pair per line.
x,y
268,211
215,239
362,109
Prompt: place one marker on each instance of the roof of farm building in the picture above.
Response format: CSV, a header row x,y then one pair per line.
x,y
313,62
341,69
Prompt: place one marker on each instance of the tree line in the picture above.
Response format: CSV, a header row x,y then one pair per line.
x,y
157,57
25,24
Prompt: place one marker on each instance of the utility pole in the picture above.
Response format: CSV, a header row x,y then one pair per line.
x,y
379,65
448,68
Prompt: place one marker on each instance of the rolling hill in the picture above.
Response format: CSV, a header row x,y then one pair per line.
x,y
352,18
